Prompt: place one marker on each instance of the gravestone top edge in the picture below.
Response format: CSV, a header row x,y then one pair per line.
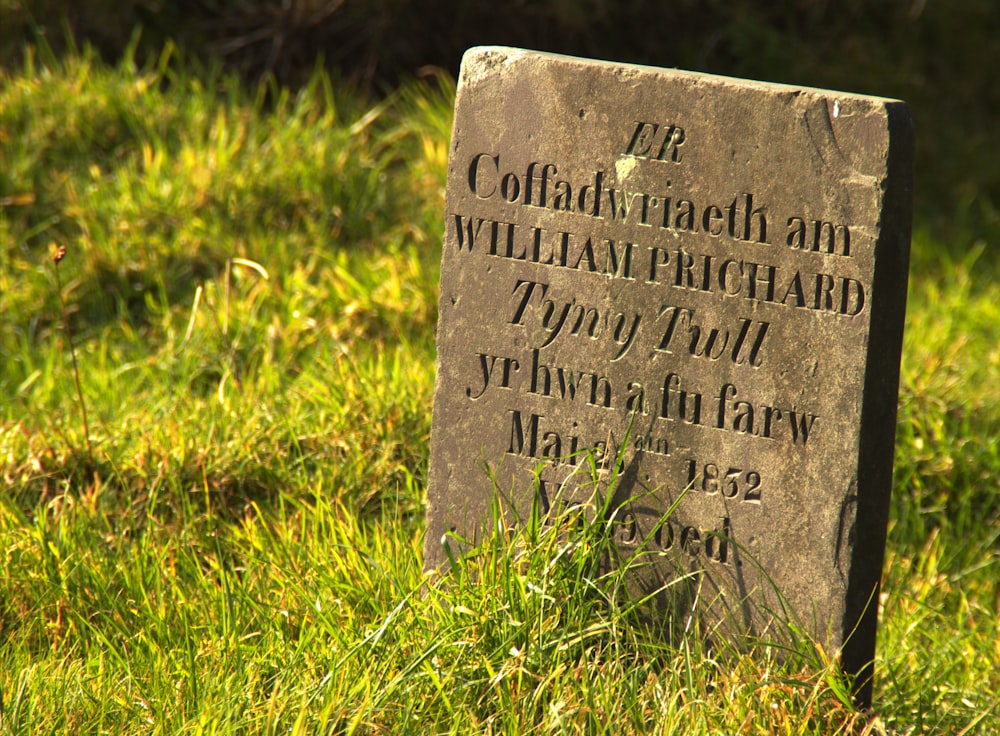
x,y
481,62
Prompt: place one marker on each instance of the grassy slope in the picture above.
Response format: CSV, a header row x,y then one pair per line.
x,y
252,292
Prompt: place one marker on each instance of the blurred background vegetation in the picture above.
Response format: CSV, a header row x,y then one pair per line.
x,y
941,57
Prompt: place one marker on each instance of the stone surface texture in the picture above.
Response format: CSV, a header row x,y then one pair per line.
x,y
704,276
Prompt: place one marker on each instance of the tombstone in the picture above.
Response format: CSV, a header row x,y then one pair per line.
x,y
703,276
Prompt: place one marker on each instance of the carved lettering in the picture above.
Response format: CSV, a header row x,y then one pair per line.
x,y
679,404
709,542
534,437
761,420
572,319
565,383
656,141
594,197
820,237
711,342
756,281
487,365
727,481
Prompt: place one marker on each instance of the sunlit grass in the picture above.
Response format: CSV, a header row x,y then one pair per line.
x,y
251,281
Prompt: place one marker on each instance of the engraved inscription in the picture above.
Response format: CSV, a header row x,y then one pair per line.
x,y
741,345
572,319
711,544
729,482
661,142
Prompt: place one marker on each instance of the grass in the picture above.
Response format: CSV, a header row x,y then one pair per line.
x,y
235,545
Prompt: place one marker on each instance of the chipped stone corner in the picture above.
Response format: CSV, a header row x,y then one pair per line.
x,y
481,62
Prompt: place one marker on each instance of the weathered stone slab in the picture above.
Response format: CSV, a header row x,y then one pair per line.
x,y
712,268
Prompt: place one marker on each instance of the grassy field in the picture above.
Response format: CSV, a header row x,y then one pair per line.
x,y
229,540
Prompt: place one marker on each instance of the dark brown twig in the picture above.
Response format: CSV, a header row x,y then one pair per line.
x,y
59,255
